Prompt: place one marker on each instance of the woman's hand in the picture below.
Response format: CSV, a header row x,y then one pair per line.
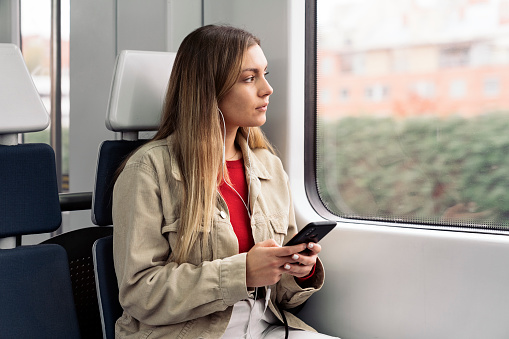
x,y
267,261
304,261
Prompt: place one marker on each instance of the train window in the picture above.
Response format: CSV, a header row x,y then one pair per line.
x,y
418,132
36,46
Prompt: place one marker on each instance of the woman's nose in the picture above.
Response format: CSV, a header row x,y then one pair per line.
x,y
266,89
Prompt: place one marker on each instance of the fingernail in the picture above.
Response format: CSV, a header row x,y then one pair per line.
x,y
287,267
311,245
295,257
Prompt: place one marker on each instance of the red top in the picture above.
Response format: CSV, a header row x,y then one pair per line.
x,y
238,212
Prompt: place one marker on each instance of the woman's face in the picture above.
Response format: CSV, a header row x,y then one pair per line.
x,y
246,103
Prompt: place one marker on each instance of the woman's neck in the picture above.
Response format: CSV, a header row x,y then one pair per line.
x,y
231,150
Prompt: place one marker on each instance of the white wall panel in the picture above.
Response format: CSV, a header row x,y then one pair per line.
x,y
399,283
141,25
184,16
92,56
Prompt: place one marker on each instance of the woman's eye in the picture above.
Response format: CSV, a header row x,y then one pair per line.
x,y
266,73
250,79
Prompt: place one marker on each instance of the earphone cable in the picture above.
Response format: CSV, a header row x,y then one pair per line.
x,y
246,205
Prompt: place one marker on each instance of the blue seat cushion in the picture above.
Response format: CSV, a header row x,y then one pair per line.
x,y
36,299
29,193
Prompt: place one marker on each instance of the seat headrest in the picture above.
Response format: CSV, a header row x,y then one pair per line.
x,y
21,107
138,90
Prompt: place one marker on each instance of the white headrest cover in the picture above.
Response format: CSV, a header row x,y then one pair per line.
x,y
138,90
21,107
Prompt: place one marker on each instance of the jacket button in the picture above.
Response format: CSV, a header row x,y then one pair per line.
x,y
223,214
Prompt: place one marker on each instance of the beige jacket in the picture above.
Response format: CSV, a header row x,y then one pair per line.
x,y
162,299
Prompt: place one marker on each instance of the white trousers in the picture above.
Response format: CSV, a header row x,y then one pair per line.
x,y
250,320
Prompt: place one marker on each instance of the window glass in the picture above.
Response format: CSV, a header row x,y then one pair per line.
x,y
418,130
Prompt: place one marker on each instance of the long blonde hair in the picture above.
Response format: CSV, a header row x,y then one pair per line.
x,y
207,65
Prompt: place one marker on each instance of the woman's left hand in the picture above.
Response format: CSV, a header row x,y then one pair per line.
x,y
300,264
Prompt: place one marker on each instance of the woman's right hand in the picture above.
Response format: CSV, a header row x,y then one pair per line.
x,y
266,260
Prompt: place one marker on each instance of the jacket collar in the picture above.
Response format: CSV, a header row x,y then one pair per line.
x,y
253,164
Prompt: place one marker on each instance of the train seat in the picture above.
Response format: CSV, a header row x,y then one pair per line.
x,y
136,99
22,111
35,287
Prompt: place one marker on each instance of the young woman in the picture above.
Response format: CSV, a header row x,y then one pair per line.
x,y
200,213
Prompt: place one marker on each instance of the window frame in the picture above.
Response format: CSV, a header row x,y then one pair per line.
x,y
310,119
310,147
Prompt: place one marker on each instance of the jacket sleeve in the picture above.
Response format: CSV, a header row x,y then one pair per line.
x,y
289,293
152,289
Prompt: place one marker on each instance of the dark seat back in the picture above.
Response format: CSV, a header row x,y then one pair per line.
x,y
111,155
107,285
35,294
29,194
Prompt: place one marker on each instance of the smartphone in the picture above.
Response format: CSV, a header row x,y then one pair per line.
x,y
313,232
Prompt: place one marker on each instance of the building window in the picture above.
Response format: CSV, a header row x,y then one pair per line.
x,y
424,89
491,87
325,97
376,92
454,56
344,94
457,89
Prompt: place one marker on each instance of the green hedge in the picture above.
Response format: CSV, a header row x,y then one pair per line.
x,y
454,170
